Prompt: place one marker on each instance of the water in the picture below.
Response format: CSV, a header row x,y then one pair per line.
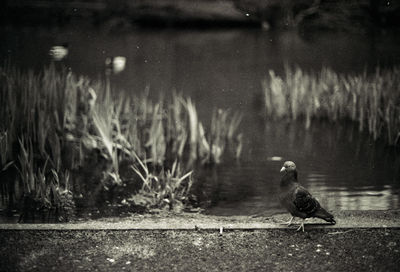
x,y
224,68
343,169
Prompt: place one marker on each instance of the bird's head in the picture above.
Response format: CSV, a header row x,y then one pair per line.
x,y
288,166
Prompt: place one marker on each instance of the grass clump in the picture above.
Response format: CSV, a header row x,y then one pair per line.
x,y
371,100
167,188
64,136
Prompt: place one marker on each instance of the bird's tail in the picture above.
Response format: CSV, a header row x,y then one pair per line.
x,y
323,214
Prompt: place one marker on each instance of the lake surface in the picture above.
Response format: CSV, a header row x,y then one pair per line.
x,y
224,69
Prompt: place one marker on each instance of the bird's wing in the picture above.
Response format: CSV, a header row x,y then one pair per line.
x,y
304,201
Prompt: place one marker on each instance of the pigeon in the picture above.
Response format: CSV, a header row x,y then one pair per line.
x,y
297,200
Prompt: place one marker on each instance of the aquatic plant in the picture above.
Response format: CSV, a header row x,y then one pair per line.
x,y
164,189
372,100
43,193
224,131
69,135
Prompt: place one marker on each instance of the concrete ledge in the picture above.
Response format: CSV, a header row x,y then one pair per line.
x,y
345,220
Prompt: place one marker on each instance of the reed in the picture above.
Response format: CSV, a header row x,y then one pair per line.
x,y
162,189
43,193
54,122
371,100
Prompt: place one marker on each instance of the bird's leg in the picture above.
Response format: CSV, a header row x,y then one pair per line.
x,y
301,227
288,223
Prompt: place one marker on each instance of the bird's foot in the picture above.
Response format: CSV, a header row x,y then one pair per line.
x,y
301,227
288,223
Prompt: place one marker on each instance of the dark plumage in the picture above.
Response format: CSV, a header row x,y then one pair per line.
x,y
297,200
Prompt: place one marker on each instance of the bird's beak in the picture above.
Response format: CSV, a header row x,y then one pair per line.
x,y
282,169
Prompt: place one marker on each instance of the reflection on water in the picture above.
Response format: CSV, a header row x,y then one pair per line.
x,y
58,52
115,65
359,199
224,68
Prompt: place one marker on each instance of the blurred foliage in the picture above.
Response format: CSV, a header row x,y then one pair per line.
x,y
323,14
372,101
307,14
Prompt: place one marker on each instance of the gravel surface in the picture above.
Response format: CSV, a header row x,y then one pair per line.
x,y
361,241
203,250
